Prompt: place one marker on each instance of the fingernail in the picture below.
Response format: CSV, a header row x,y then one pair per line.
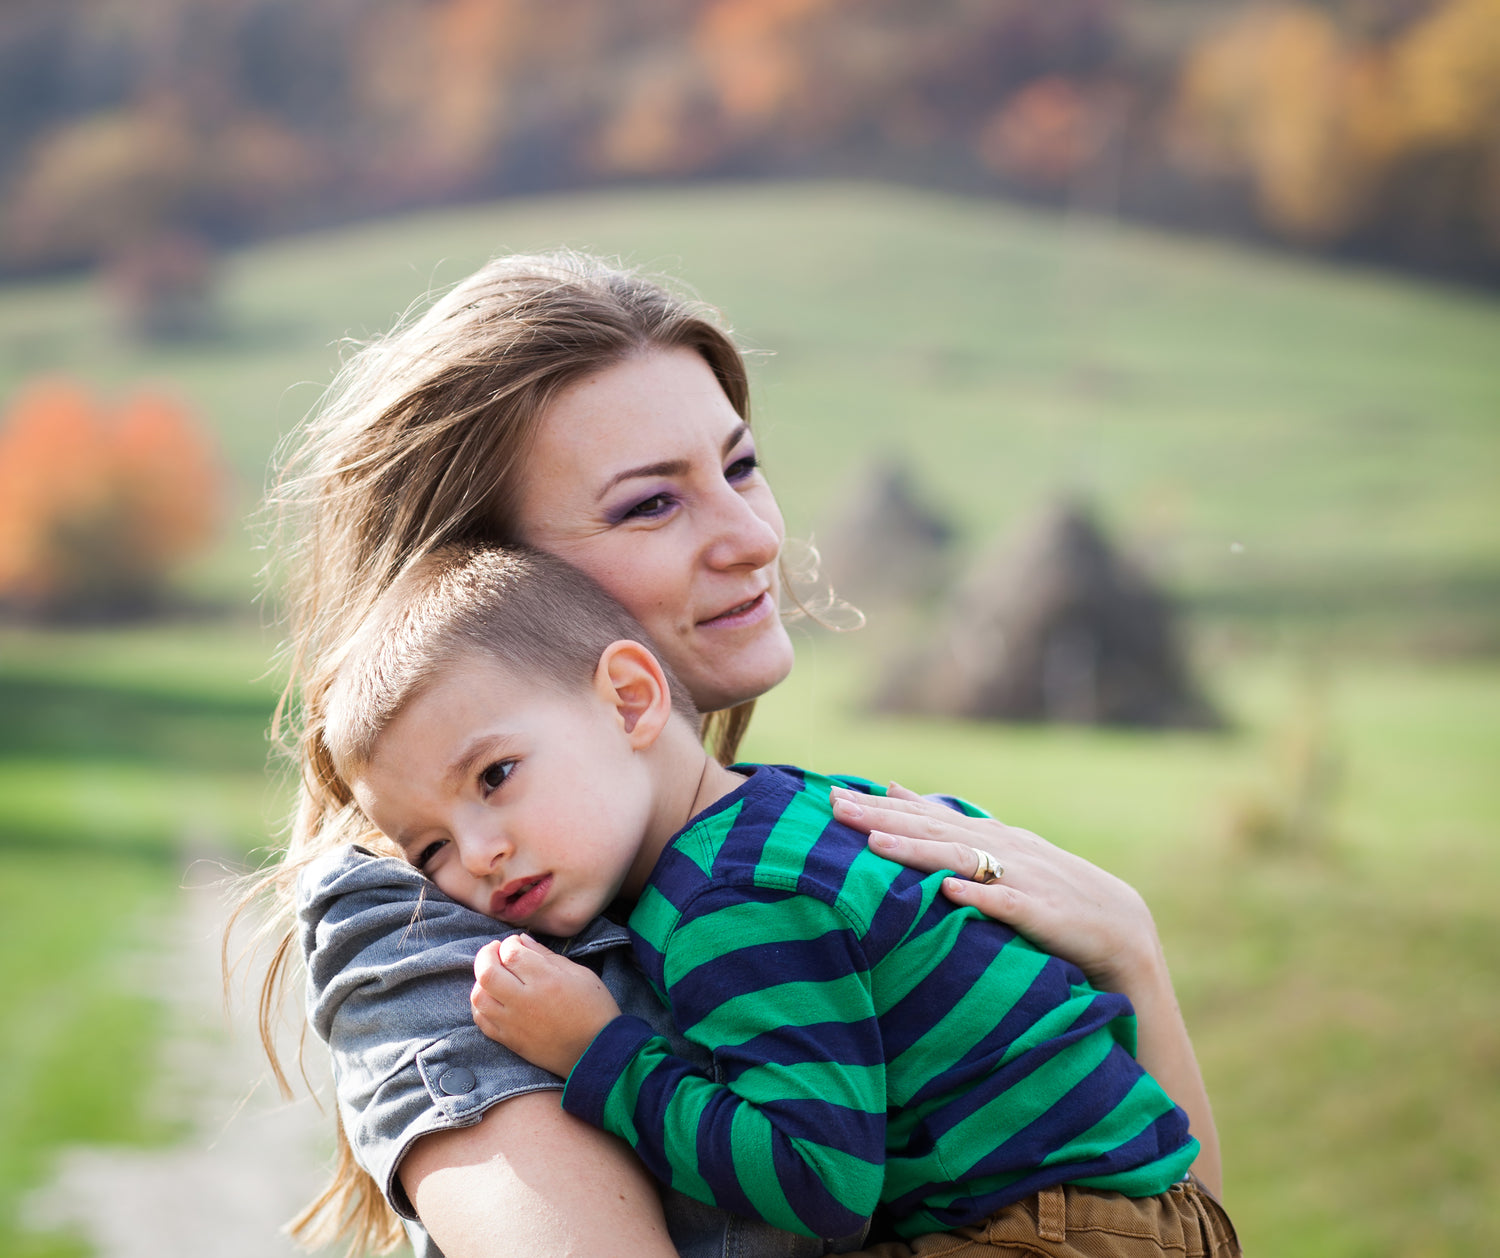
x,y
848,808
882,841
960,885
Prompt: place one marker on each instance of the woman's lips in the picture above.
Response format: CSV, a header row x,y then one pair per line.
x,y
745,613
518,900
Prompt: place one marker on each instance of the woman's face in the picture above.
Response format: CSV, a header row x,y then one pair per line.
x,y
645,477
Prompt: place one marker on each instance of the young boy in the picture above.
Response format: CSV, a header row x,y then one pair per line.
x,y
875,1047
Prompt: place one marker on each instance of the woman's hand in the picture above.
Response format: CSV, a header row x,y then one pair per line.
x,y
1067,907
1059,901
538,1004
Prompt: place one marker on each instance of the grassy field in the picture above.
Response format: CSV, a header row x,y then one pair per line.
x,y
124,755
1338,428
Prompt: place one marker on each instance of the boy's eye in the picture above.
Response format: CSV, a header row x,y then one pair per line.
x,y
495,774
428,852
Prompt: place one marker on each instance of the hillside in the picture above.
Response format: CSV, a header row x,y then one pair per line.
x,y
1291,442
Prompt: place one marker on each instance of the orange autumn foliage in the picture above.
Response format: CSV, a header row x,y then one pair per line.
x,y
1044,134
752,50
99,504
1323,121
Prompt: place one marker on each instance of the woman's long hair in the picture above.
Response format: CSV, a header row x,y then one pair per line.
x,y
422,440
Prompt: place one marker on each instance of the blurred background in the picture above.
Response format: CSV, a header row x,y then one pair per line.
x,y
1135,367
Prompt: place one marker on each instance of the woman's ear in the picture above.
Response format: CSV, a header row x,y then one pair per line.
x,y
630,678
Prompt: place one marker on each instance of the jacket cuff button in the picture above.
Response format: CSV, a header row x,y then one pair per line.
x,y
456,1082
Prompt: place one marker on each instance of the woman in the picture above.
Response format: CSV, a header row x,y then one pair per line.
x,y
586,411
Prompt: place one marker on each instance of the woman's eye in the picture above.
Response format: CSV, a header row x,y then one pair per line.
x,y
650,508
494,775
424,857
741,468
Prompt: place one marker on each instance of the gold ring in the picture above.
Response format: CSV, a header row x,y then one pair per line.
x,y
986,868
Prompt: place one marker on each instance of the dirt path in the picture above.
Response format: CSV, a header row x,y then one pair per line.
x,y
251,1160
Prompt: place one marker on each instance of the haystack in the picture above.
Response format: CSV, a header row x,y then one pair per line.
x,y
887,547
1060,628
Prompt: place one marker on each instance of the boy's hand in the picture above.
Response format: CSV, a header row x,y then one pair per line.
x,y
538,1004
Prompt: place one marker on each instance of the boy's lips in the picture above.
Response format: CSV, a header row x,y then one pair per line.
x,y
519,899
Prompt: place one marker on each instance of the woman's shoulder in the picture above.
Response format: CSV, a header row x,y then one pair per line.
x,y
327,881
389,967
357,909
372,928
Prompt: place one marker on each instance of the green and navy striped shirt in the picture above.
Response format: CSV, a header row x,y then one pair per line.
x,y
874,1045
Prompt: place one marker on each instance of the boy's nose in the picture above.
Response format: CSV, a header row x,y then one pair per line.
x,y
481,853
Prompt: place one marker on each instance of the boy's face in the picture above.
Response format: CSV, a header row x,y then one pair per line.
x,y
520,801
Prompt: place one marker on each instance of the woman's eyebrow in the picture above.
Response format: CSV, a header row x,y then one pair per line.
x,y
670,467
735,435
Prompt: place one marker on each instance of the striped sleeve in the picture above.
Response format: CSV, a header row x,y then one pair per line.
x,y
791,1127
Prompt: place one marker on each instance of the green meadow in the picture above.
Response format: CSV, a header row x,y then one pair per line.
x,y
1308,455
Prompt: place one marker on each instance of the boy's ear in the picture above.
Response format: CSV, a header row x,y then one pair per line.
x,y
631,679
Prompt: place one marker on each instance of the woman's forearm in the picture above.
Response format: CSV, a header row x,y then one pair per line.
x,y
1164,1049
530,1181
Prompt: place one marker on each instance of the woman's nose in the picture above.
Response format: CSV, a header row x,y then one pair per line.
x,y
748,529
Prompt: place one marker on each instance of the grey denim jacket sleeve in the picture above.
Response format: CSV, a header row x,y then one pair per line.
x,y
390,961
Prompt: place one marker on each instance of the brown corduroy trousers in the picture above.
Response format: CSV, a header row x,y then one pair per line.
x,y
1072,1222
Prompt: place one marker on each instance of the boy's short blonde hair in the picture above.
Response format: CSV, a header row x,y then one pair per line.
x,y
533,614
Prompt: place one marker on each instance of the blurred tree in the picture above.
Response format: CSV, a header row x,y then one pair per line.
x,y
1351,125
96,508
755,54
669,123
54,475
1281,97
256,173
1044,134
1386,130
1447,75
170,487
1440,202
430,86
93,187
163,288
